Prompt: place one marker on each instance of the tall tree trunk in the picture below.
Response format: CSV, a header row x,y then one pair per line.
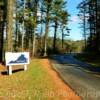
x,y
9,25
84,25
41,28
23,26
16,33
46,33
97,29
1,40
33,52
62,37
55,36
2,13
35,25
30,38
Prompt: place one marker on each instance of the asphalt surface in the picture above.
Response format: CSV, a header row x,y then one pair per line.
x,y
74,73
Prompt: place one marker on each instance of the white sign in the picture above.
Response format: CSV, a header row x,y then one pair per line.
x,y
20,58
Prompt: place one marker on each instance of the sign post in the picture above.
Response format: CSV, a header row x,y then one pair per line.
x,y
20,58
25,67
10,70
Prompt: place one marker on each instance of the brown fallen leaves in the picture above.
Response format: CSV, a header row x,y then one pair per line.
x,y
62,89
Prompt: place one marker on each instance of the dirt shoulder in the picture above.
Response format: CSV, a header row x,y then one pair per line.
x,y
61,88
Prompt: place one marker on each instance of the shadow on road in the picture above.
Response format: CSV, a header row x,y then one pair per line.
x,y
71,61
75,74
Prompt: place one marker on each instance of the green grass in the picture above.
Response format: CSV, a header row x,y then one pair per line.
x,y
94,60
33,84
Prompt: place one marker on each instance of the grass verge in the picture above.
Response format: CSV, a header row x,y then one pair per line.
x,y
33,84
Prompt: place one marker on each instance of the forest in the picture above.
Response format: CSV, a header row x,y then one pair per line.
x,y
39,60
41,27
37,26
89,13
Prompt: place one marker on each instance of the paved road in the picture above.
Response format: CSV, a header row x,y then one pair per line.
x,y
83,82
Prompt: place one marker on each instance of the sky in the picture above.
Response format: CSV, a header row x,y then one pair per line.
x,y
75,33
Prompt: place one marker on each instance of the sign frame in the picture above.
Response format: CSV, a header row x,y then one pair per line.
x,y
16,58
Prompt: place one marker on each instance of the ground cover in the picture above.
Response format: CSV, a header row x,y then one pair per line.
x,y
39,82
